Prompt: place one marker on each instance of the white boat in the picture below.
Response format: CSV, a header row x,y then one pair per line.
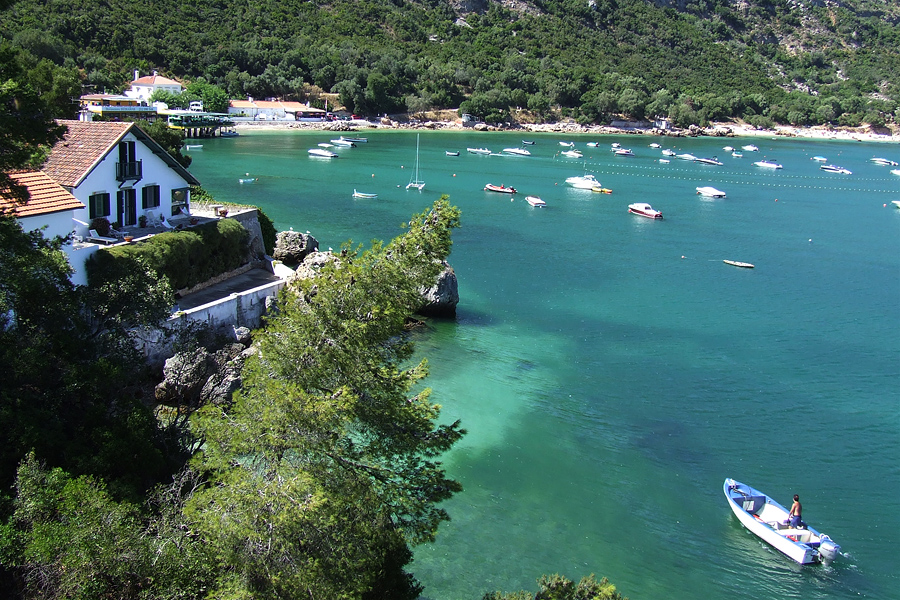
x,y
200,147
615,145
248,180
768,164
728,148
668,152
737,263
572,153
655,145
228,133
326,145
517,151
356,140
819,158
709,161
895,171
452,153
363,195
686,156
896,203
490,187
478,151
567,144
593,144
645,210
710,192
528,142
836,169
767,519
664,160
535,201
750,148
583,182
322,153
344,143
623,152
885,162
415,182
737,154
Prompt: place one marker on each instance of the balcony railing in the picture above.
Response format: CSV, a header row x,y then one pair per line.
x,y
129,171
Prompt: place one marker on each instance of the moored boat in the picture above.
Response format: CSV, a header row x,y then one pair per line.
x,y
601,190
567,144
686,156
728,148
478,151
248,179
654,145
452,153
528,142
767,519
895,171
517,151
883,161
737,263
819,159
836,169
750,148
356,140
896,203
668,152
343,143
623,152
768,164
710,192
193,146
535,201
645,210
322,153
709,161
415,182
583,182
737,154
572,153
499,188
363,195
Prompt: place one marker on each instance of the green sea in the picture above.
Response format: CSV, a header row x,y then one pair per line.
x,y
612,371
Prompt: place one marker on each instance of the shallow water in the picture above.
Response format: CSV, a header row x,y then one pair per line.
x,y
612,371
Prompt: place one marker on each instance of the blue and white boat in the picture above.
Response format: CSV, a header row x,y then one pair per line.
x,y
768,520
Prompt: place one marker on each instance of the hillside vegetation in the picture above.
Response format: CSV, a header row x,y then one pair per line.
x,y
797,61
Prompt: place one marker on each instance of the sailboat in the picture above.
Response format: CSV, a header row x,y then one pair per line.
x,y
415,182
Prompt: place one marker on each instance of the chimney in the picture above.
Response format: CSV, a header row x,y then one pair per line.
x,y
137,74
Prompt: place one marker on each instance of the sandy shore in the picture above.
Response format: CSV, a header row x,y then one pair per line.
x,y
714,130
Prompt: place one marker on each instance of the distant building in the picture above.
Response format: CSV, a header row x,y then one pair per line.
x,y
115,106
275,110
143,87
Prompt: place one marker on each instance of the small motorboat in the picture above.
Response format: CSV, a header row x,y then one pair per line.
x,y
768,520
528,142
664,160
601,190
363,195
623,152
768,164
668,152
567,144
248,179
885,162
709,161
322,153
356,140
535,201
737,154
896,203
499,188
819,159
572,153
517,151
615,145
836,169
645,210
737,263
655,145
895,171
484,151
750,148
344,143
583,182
452,153
728,148
200,147
325,145
686,156
710,192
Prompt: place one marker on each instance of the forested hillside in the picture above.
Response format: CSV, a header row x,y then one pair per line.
x,y
798,61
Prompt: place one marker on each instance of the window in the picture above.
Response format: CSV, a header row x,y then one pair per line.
x,y
150,196
98,205
180,201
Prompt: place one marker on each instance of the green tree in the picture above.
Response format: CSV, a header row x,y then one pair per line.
x,y
170,139
328,446
557,587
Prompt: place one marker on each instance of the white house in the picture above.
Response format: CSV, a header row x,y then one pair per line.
x,y
143,87
276,110
118,172
52,210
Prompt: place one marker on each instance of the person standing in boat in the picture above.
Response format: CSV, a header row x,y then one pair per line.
x,y
796,510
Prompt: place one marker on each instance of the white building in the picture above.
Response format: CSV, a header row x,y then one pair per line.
x,y
143,87
118,172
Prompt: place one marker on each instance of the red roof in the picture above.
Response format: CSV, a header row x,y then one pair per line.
x,y
154,80
47,196
84,145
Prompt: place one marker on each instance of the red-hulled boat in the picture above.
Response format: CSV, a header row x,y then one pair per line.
x,y
499,188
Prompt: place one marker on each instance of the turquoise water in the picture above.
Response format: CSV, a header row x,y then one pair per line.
x,y
612,371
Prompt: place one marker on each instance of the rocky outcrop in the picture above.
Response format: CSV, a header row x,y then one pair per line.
x,y
442,298
292,247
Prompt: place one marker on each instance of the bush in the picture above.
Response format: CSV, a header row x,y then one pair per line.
x,y
186,258
101,226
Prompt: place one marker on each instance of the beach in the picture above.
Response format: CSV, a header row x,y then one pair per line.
x,y
859,134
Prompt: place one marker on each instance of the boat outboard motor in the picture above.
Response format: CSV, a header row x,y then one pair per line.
x,y
828,550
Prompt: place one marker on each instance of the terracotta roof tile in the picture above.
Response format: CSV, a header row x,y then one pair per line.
x,y
85,144
154,80
47,196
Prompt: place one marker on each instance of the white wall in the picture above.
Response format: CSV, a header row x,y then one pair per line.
x,y
61,224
